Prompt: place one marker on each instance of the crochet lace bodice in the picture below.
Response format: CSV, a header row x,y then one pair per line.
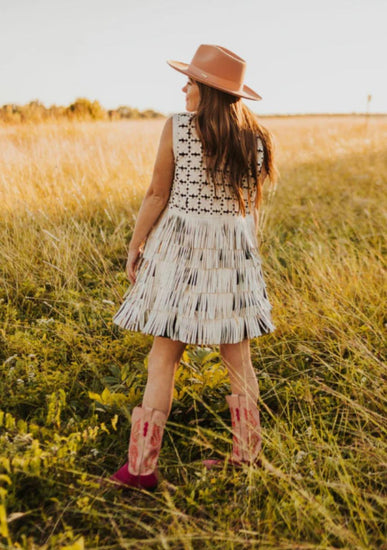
x,y
191,193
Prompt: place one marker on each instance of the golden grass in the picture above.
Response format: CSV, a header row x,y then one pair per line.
x,y
70,193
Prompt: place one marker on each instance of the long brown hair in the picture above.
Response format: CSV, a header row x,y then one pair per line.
x,y
228,131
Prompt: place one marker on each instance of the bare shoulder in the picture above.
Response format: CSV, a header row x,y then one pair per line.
x,y
166,138
168,127
168,123
163,170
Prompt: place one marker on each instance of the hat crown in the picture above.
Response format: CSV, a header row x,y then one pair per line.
x,y
216,61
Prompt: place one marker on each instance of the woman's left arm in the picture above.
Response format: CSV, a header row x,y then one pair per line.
x,y
155,200
262,177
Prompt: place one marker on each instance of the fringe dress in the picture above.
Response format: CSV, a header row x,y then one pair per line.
x,y
199,278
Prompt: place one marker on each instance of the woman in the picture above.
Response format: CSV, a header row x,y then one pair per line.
x,y
193,258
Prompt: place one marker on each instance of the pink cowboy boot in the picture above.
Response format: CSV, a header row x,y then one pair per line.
x,y
246,430
144,447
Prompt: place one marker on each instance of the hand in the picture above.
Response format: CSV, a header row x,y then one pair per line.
x,y
134,256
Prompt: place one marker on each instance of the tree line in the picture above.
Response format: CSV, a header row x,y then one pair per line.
x,y
81,109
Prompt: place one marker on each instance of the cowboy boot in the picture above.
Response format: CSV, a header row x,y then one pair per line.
x,y
246,430
144,447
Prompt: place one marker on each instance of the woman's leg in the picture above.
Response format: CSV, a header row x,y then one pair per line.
x,y
148,420
163,360
243,379
245,415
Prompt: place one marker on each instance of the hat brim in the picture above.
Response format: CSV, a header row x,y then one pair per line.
x,y
246,92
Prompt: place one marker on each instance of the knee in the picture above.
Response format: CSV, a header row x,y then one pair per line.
x,y
162,364
165,351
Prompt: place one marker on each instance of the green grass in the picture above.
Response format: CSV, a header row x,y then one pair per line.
x,y
69,378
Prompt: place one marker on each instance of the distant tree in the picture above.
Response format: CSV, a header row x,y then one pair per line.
x,y
128,112
9,113
34,111
56,112
83,109
150,113
113,114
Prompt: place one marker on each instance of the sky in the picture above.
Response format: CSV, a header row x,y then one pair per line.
x,y
303,56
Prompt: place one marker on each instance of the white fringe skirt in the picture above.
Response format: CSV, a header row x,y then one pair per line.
x,y
199,280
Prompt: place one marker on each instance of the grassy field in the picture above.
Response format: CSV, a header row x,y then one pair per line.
x,y
69,378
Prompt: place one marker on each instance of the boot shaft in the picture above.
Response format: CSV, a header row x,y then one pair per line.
x,y
246,428
145,439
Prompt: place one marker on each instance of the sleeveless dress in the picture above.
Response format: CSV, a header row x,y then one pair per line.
x,y
199,279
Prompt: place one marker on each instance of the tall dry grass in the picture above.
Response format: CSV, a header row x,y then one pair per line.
x,y
69,195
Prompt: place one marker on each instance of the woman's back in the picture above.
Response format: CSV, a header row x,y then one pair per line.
x,y
191,192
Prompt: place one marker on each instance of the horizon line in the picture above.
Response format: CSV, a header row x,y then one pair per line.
x,y
278,114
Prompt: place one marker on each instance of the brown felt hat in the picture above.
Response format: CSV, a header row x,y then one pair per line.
x,y
219,68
